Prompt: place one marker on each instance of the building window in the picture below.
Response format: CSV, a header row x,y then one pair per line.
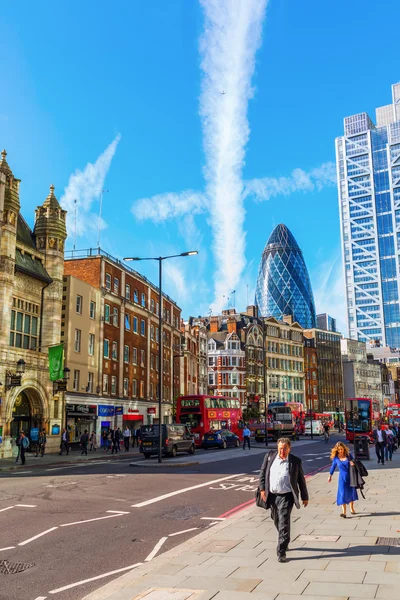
x,y
126,354
211,379
105,384
152,305
116,285
157,335
24,327
107,313
76,381
114,351
89,388
141,389
136,296
143,299
108,281
115,317
142,327
152,362
127,291
113,384
126,386
151,389
157,362
79,305
91,344
135,325
128,322
77,342
134,356
142,358
106,349
92,310
134,388
152,332
158,309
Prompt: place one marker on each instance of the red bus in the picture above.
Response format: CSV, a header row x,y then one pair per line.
x,y
365,413
203,413
392,414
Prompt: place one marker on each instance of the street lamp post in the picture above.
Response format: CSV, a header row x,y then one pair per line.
x,y
160,341
265,385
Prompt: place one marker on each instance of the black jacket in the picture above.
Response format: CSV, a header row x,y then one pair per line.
x,y
297,479
375,436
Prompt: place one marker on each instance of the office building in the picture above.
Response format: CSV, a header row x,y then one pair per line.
x,y
368,171
326,322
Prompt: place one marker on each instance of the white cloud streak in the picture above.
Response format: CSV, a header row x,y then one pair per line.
x,y
264,188
232,35
85,187
162,207
329,291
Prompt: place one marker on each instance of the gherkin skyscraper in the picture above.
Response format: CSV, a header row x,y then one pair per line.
x,y
283,285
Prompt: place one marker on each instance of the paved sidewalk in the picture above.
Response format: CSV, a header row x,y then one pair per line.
x,y
330,558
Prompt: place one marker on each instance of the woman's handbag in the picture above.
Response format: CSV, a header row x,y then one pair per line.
x,y
259,501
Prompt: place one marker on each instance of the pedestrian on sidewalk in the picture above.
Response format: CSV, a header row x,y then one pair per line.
x,y
115,441
137,437
18,444
84,442
380,437
104,437
93,442
24,445
342,460
127,437
41,445
64,442
281,482
389,444
246,437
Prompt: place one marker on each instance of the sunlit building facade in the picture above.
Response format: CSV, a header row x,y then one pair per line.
x,y
283,285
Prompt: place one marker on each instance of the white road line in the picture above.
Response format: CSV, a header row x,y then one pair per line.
x,y
27,505
213,518
35,537
90,520
155,549
119,512
183,490
41,598
7,508
8,548
20,472
72,585
213,523
86,464
184,531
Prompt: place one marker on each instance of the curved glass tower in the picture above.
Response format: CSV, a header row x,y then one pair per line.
x,y
283,285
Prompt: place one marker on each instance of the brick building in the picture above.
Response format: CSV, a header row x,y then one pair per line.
x,y
310,375
192,356
123,389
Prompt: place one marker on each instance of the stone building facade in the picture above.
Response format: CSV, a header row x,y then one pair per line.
x,y
192,355
31,271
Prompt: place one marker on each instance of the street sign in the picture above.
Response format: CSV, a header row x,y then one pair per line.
x,y
14,380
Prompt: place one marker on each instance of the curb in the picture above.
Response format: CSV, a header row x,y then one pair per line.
x,y
146,465
77,461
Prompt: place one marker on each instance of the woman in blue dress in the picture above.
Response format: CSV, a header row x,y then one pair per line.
x,y
342,460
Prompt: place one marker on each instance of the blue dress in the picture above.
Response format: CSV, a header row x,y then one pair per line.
x,y
345,493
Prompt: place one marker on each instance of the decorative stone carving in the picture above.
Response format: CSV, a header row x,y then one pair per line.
x,y
11,217
61,245
41,243
53,243
6,265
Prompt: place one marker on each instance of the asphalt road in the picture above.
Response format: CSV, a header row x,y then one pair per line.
x,y
73,523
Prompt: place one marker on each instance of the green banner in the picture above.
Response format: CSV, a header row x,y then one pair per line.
x,y
56,362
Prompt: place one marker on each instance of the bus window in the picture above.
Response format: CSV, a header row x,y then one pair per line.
x,y
191,402
191,420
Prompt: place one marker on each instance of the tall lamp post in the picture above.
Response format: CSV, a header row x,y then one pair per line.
x,y
160,341
265,385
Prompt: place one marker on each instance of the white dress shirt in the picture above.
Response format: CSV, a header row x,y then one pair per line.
x,y
379,434
279,479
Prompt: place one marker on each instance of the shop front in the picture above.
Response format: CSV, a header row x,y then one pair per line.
x,y
132,419
106,414
78,418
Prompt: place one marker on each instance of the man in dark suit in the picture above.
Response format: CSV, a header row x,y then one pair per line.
x,y
281,482
381,442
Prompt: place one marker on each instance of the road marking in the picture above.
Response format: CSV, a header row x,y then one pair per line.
x,y
7,508
27,505
8,548
184,531
182,491
90,520
213,518
35,537
119,512
155,549
78,465
72,585
229,513
62,484
20,472
41,598
213,523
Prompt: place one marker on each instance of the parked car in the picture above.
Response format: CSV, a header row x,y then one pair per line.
x,y
317,428
175,438
220,438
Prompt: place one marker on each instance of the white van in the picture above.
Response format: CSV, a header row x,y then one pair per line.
x,y
317,428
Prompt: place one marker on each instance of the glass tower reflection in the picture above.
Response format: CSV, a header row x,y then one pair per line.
x,y
283,285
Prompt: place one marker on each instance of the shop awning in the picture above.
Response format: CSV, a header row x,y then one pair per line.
x,y
132,417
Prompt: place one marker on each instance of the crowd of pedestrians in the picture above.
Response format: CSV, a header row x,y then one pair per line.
x,y
112,439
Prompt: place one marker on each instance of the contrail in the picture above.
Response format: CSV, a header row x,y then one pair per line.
x,y
232,35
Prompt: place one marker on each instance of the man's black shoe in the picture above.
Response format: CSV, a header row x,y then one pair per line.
x,y
282,558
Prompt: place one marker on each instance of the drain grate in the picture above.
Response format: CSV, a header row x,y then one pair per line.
x,y
386,541
11,568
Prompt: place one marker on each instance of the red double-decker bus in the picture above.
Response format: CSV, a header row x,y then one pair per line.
x,y
203,413
392,414
364,414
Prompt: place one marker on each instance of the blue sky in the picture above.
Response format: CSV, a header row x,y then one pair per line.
x,y
125,97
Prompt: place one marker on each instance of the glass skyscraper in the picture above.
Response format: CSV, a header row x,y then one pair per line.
x,y
368,170
283,285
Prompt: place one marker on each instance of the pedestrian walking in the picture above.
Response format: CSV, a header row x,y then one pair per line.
x,y
127,436
389,444
342,460
92,442
115,441
282,481
64,442
84,442
137,436
104,437
41,445
246,437
380,438
24,445
326,433
18,444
